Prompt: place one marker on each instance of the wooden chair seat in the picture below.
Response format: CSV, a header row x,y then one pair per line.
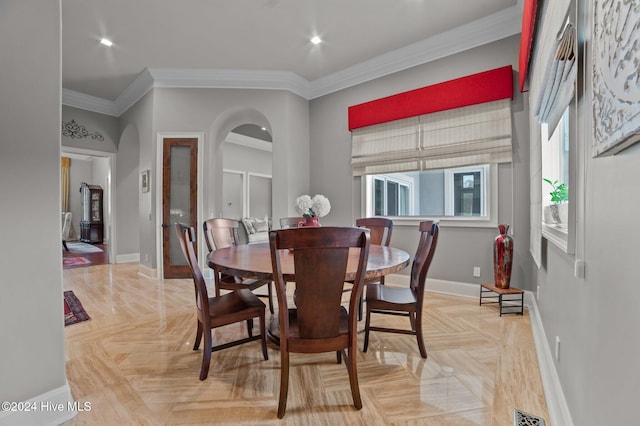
x,y
384,297
225,308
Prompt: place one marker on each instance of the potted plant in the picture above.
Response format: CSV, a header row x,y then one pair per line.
x,y
559,198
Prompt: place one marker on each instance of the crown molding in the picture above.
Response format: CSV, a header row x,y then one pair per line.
x,y
231,79
142,84
494,27
89,103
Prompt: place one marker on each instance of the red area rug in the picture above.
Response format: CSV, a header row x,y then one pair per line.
x,y
73,310
70,262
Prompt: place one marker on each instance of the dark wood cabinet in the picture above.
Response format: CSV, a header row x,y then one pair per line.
x,y
91,226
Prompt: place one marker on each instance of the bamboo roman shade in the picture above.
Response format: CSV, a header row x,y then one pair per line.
x,y
470,135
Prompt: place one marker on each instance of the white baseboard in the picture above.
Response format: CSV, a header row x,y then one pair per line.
x,y
147,271
51,408
556,403
127,258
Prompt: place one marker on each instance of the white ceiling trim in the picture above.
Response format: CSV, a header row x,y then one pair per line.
x,y
489,29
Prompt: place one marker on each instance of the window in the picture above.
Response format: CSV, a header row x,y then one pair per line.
x,y
461,195
555,172
392,194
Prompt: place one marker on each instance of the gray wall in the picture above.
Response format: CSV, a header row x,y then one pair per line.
x,y
136,123
31,310
459,249
105,125
597,318
127,194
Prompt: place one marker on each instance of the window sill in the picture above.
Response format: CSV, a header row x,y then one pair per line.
x,y
446,221
557,234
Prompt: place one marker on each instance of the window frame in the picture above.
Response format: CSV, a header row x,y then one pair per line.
x,y
489,220
564,237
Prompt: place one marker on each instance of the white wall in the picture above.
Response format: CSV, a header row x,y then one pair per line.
x,y
459,249
31,310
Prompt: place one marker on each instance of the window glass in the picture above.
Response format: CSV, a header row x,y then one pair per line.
x,y
458,192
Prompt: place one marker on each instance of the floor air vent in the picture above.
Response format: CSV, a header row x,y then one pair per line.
x,y
520,418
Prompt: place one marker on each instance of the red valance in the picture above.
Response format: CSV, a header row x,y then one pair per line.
x,y
526,38
473,89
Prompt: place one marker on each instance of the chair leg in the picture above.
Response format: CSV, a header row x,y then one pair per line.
x,y
366,330
284,383
360,302
263,334
250,327
64,244
353,378
412,320
339,357
196,344
206,355
270,293
423,350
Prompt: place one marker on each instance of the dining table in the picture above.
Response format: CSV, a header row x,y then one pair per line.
x,y
254,261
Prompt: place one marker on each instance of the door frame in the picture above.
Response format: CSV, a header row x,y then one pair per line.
x,y
110,202
161,136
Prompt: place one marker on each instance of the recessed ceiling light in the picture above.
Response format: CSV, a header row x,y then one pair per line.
x,y
316,40
106,42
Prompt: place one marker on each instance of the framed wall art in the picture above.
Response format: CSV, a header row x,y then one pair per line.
x,y
616,81
144,180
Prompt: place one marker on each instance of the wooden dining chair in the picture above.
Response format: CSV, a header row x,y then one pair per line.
x,y
290,222
214,312
380,230
384,299
318,323
220,233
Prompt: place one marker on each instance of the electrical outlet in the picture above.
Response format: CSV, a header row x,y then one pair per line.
x,y
476,271
557,348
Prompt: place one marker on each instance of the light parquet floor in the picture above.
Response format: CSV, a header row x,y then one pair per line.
x,y
133,361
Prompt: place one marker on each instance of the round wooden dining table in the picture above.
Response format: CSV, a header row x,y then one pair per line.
x,y
254,261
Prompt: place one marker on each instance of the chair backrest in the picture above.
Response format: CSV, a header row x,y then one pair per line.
x,y
422,260
220,233
290,222
320,261
187,239
379,227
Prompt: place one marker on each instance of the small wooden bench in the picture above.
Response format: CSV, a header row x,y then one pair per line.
x,y
490,291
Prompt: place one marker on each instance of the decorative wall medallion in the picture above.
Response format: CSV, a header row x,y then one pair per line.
x,y
616,75
76,131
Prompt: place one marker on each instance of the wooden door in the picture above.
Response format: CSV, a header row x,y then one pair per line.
x,y
179,200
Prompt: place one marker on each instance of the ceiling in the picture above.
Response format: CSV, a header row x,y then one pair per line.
x,y
217,42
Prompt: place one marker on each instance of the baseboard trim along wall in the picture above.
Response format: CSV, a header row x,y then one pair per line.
x,y
128,258
51,408
556,403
